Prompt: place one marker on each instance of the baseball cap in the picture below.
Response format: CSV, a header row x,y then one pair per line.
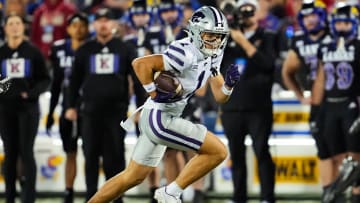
x,y
80,16
139,6
167,5
104,13
248,2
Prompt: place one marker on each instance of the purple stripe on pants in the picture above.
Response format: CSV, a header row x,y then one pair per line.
x,y
158,134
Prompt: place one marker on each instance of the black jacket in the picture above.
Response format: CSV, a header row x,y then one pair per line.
x,y
253,91
26,66
100,75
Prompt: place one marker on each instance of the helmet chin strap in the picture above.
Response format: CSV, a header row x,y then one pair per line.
x,y
215,44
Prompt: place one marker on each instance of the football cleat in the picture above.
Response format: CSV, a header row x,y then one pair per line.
x,y
349,173
163,197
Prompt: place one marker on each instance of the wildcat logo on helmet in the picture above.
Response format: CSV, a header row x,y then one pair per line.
x,y
197,16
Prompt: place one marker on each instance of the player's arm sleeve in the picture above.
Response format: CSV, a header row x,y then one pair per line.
x,y
76,78
58,77
41,75
177,57
264,57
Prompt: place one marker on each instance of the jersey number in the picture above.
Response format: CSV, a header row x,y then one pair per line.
x,y
342,75
312,63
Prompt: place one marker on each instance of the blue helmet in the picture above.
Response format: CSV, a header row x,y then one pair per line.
x,y
313,7
345,13
140,7
169,5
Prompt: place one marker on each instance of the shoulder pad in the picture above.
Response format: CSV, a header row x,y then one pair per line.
x,y
327,39
129,37
155,28
59,42
299,33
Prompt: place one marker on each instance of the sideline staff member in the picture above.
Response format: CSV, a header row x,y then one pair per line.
x,y
249,109
19,107
101,70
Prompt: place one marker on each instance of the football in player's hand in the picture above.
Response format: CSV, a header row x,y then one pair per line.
x,y
167,82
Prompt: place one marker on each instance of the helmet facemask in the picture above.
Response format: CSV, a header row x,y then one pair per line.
x,y
349,15
313,7
212,43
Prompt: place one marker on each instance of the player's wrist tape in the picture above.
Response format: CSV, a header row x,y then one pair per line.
x,y
225,90
150,87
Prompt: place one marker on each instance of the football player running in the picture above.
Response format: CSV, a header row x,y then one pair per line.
x,y
193,60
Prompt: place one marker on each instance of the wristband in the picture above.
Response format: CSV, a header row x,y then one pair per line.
x,y
150,87
225,90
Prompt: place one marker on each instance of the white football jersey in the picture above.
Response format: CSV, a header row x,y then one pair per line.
x,y
193,70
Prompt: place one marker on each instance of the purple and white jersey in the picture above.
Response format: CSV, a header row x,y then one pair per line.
x,y
191,67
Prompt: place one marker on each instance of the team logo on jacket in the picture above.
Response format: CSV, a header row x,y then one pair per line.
x,y
104,63
15,68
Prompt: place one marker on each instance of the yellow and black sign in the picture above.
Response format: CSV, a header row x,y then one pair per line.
x,y
294,170
2,157
290,117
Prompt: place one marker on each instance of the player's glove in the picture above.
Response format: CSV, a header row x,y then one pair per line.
x,y
233,75
166,97
5,84
49,124
314,111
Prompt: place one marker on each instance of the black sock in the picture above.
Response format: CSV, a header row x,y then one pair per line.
x,y
199,196
69,195
152,192
355,198
69,190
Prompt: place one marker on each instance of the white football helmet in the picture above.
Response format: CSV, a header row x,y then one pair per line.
x,y
208,19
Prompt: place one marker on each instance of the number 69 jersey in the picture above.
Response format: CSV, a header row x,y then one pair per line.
x,y
342,68
192,69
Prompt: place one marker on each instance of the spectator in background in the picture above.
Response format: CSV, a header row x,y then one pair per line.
x,y
49,23
19,107
31,6
100,72
249,109
61,57
266,19
18,7
15,6
170,16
